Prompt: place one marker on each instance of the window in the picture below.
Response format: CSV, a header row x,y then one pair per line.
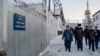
x,y
94,19
97,17
97,24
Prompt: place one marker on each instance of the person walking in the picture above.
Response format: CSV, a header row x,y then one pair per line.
x,y
86,34
97,36
91,35
75,35
67,36
72,30
79,37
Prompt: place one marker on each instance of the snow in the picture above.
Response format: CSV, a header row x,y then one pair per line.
x,y
56,48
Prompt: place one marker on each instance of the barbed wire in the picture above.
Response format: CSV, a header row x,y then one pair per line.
x,y
29,8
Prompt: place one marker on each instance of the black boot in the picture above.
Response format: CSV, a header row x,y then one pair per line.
x,y
96,48
69,50
66,49
78,49
93,50
81,49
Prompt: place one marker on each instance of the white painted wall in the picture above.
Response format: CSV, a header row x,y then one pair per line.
x,y
52,26
33,39
39,31
29,42
97,22
59,24
1,23
84,23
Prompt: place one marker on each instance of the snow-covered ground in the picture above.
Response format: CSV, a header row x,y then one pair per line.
x,y
56,48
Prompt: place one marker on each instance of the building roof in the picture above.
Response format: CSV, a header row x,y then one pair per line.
x,y
96,13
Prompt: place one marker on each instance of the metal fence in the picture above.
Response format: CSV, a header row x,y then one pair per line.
x,y
31,39
27,42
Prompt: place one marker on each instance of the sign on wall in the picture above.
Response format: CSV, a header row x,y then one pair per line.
x,y
18,22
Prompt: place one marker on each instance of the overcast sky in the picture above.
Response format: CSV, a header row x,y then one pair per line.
x,y
74,9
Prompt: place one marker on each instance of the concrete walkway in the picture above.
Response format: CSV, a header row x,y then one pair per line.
x,y
56,48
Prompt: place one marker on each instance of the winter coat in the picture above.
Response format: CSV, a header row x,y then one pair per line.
x,y
97,35
73,31
67,35
86,33
91,34
79,33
